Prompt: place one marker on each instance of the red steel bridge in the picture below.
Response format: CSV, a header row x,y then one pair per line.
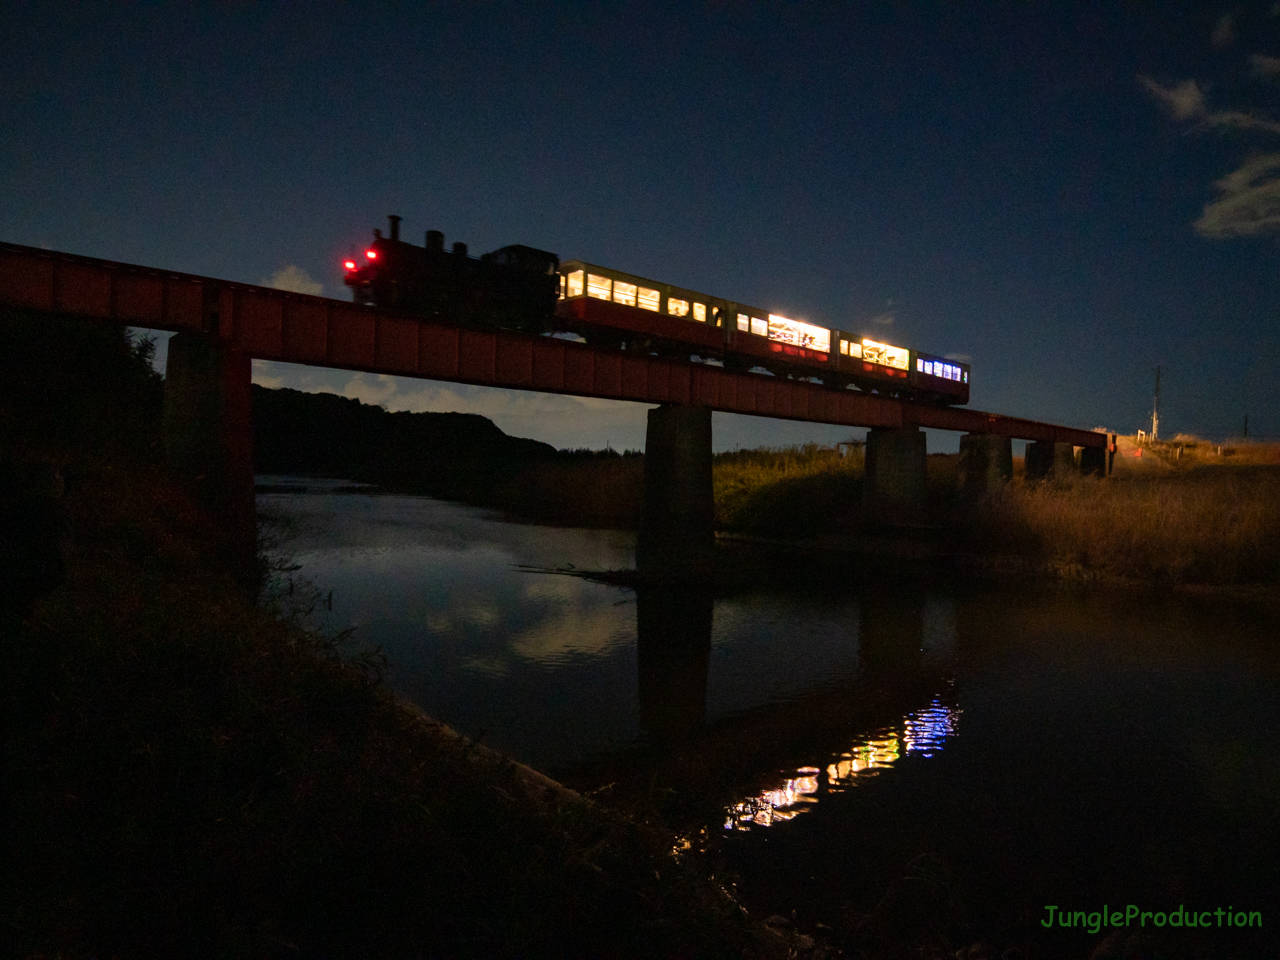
x,y
270,324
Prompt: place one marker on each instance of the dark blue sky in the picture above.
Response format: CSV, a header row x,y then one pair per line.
x,y
1065,197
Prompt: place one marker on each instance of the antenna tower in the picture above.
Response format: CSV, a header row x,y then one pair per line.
x,y
1155,410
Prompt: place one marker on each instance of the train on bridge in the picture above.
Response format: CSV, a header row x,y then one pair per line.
x,y
521,288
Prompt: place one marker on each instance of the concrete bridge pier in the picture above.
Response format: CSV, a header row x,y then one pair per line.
x,y
986,464
893,488
677,513
208,437
677,537
1045,460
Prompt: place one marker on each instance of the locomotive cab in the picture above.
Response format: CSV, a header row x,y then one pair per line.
x,y
513,287
525,258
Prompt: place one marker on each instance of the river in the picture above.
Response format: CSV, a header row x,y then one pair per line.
x,y
898,762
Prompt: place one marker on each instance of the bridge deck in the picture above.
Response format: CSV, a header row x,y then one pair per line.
x,y
277,325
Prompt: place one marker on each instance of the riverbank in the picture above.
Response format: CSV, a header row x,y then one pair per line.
x,y
1215,526
1195,520
190,773
1192,520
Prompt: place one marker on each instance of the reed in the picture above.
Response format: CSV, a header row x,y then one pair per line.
x,y
795,491
1214,525
1187,451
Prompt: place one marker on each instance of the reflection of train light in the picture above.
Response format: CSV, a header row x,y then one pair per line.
x,y
927,729
773,806
923,732
865,758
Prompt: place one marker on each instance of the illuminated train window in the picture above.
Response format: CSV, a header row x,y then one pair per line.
x,y
561,286
798,333
575,283
624,293
647,299
744,323
700,312
677,308
885,355
936,368
599,287
759,327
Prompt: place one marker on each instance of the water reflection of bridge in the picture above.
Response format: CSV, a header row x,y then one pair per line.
x,y
898,632
897,704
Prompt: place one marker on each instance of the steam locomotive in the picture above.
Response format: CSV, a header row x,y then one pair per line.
x,y
521,288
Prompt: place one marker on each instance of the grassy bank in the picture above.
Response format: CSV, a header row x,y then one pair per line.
x,y
809,491
1206,516
1213,525
799,492
188,773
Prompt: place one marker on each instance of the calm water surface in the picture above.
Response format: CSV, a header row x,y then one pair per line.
x,y
896,759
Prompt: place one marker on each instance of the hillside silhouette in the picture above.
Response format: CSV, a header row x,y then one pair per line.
x,y
451,455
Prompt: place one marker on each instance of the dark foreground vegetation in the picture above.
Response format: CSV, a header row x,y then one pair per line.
x,y
188,773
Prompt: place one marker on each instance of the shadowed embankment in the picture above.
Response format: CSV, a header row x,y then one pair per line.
x,y
190,774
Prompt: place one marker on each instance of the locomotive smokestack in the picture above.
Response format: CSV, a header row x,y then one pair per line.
x,y
395,226
435,241
459,249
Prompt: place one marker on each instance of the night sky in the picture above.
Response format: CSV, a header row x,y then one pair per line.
x,y
1062,197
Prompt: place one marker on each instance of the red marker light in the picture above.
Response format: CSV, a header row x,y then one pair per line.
x,y
371,254
350,264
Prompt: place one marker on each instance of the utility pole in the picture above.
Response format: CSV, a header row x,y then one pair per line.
x,y
1155,410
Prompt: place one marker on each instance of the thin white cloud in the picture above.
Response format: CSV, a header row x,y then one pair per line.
x,y
884,320
1186,101
1241,121
959,357
1248,203
295,280
1224,31
1264,66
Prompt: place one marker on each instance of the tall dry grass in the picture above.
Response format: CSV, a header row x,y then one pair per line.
x,y
796,491
1187,451
1213,525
